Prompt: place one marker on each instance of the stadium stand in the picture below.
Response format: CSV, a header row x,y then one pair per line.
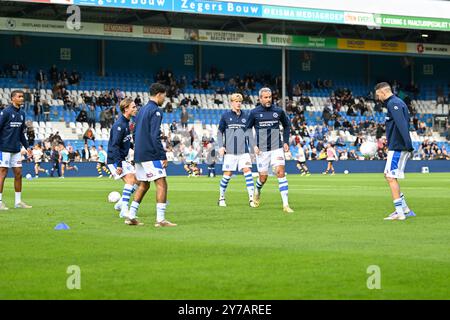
x,y
307,102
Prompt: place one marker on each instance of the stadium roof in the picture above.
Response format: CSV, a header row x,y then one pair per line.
x,y
16,9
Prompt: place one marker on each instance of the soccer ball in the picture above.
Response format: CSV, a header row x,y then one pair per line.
x,y
345,171
368,149
114,196
29,176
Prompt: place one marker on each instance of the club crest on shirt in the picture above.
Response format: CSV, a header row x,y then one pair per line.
x,y
158,114
118,128
244,121
395,108
275,115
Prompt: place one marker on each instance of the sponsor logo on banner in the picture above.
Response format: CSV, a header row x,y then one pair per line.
x,y
371,45
118,28
230,37
428,48
162,31
220,8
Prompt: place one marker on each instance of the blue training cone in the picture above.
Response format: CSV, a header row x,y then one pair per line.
x,y
62,226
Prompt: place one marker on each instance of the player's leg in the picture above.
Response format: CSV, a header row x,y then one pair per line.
x,y
328,168
99,170
128,189
3,174
393,171
36,169
53,169
105,168
226,177
248,175
17,170
138,197
283,186
245,165
144,170
300,168
161,203
332,167
230,164
305,168
159,176
262,163
58,169
278,162
395,192
63,169
40,169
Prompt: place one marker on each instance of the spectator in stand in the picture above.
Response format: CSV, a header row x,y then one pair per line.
x,y
26,99
93,154
88,135
37,110
82,116
440,99
103,123
74,78
40,79
30,133
173,127
91,116
184,118
138,101
53,74
109,117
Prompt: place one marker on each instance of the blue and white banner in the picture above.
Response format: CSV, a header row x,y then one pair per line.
x,y
188,6
218,8
163,5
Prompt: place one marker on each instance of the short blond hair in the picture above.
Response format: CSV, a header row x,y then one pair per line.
x,y
125,103
236,97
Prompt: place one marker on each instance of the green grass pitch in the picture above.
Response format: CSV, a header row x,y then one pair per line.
x,y
322,251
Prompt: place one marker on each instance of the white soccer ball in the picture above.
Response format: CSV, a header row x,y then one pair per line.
x,y
368,149
29,176
114,196
345,171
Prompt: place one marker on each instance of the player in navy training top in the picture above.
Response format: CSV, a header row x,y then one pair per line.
x,y
234,147
118,148
150,156
400,147
266,119
12,138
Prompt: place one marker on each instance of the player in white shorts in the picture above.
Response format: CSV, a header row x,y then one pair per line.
x,y
266,119
118,149
150,157
12,138
400,147
234,148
